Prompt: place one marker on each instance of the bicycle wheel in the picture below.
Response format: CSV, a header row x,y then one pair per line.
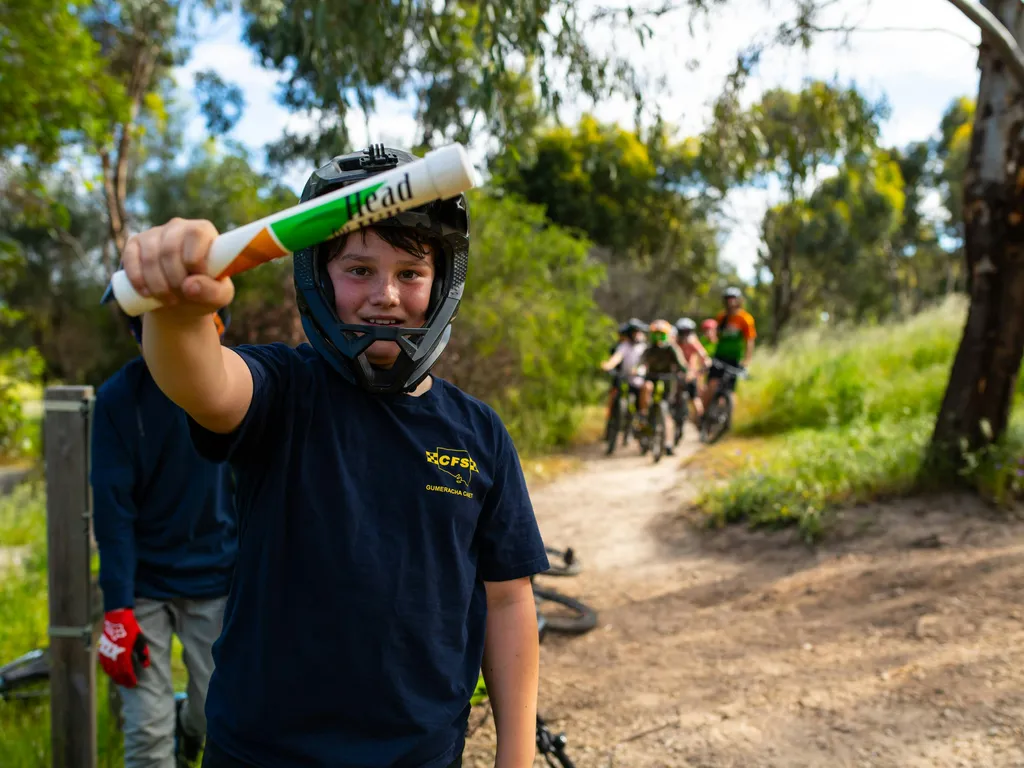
x,y
681,416
612,429
643,434
563,613
628,419
658,431
716,418
562,562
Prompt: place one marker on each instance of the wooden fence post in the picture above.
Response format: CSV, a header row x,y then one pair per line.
x,y
68,541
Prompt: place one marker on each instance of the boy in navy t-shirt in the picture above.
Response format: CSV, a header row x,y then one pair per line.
x,y
386,533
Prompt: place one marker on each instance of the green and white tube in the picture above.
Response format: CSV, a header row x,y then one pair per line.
x,y
441,174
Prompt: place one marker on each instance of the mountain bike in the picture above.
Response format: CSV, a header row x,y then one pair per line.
x,y
653,436
621,415
718,415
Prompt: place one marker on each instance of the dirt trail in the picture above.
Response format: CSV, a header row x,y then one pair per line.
x,y
899,643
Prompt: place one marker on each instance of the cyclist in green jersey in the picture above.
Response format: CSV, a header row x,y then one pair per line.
x,y
736,334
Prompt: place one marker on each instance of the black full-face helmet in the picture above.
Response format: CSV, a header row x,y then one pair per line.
x,y
443,223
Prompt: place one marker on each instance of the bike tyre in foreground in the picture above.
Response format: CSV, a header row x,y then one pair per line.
x,y
576,619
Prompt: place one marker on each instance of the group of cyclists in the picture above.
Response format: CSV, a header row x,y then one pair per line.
x,y
692,363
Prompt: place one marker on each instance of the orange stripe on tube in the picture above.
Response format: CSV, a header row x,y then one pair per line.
x,y
262,248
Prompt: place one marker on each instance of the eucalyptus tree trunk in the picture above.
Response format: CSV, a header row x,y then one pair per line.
x,y
976,406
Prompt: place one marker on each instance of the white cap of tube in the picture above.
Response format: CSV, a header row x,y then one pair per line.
x,y
450,170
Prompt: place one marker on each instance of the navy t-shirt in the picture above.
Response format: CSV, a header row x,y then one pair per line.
x,y
354,630
164,517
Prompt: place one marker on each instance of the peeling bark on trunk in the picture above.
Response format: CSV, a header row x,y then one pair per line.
x,y
976,407
116,165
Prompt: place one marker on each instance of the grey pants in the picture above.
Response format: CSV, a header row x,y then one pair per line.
x,y
148,708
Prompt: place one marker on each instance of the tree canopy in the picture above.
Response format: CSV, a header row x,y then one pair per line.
x,y
583,223
56,85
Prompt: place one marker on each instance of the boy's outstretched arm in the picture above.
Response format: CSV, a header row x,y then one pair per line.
x,y
511,669
180,341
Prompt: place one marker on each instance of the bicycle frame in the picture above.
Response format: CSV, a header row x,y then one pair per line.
x,y
730,375
656,406
621,414
624,392
660,381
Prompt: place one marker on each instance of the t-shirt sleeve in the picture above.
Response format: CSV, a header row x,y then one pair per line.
x,y
749,332
509,538
270,365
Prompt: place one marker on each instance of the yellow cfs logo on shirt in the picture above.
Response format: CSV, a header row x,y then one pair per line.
x,y
457,463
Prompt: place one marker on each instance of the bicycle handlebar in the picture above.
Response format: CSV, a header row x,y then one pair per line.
x,y
549,743
735,370
661,376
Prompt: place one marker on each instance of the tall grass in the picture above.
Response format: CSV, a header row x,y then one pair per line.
x,y
25,725
844,416
837,377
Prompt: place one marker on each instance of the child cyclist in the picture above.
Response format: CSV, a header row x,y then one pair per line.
x,y
386,533
697,360
624,360
662,358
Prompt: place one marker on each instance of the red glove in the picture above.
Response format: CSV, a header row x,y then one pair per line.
x,y
121,646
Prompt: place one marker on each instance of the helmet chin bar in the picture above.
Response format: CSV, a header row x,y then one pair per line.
x,y
404,375
362,337
350,341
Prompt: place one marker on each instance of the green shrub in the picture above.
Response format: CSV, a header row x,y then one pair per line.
x,y
16,370
997,471
529,335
